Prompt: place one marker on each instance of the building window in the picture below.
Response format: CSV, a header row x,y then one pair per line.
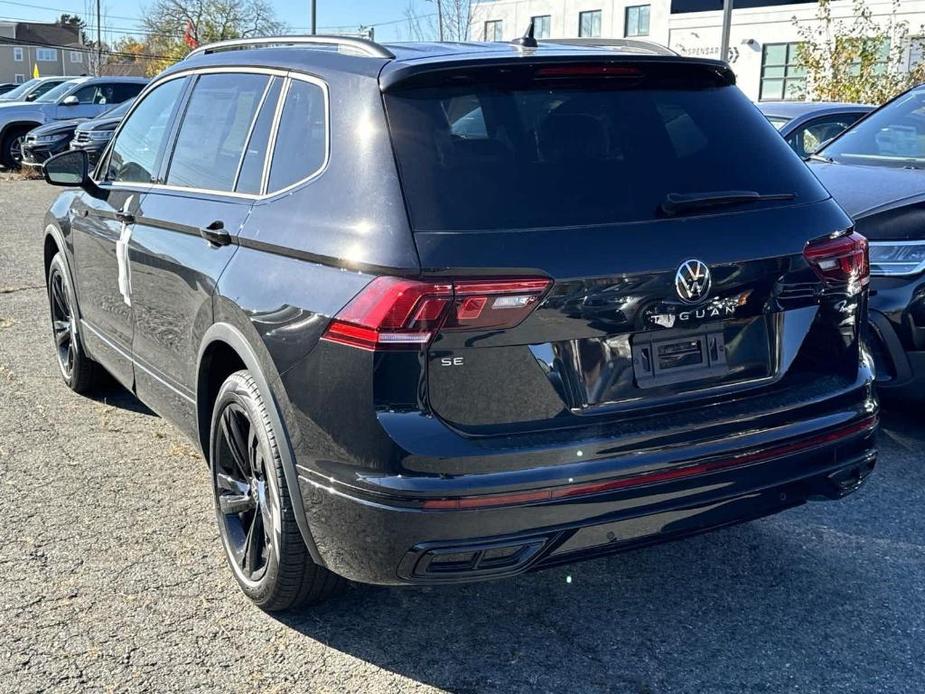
x,y
637,21
76,57
17,54
881,59
19,78
494,29
782,76
916,51
589,24
541,26
46,55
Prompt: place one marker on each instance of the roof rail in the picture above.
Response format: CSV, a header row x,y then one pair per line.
x,y
348,43
615,44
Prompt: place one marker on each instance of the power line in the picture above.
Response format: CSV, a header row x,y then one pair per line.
x,y
85,49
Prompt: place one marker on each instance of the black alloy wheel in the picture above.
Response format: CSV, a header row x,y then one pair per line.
x,y
246,503
253,504
62,323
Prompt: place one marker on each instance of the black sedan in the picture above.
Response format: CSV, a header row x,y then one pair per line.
x,y
807,125
876,170
48,140
92,136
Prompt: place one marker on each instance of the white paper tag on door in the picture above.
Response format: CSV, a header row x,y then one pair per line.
x,y
125,284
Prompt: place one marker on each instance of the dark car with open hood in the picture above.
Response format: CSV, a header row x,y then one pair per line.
x,y
876,171
443,312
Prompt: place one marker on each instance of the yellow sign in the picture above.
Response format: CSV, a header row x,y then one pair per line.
x,y
35,69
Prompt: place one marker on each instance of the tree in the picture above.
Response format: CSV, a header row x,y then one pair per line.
x,y
78,23
167,22
858,60
457,16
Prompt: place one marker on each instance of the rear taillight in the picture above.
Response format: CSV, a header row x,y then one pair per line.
x,y
840,260
395,313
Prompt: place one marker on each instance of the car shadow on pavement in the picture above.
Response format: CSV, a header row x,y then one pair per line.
x,y
114,394
816,598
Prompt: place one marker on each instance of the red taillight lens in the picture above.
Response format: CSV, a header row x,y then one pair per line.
x,y
392,312
842,259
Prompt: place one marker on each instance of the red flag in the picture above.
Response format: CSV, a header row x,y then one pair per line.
x,y
189,35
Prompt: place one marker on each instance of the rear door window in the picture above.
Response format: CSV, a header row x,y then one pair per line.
x,y
214,130
250,176
529,153
301,141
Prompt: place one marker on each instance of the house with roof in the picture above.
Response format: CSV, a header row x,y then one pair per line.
x,y
55,49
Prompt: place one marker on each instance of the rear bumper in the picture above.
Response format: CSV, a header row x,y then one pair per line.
x,y
409,537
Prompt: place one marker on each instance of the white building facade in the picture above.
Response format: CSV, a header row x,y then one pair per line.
x,y
762,40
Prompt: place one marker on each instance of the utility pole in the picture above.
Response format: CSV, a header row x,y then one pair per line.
x,y
314,16
99,41
727,25
439,18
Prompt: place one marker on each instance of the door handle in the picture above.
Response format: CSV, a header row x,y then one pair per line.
x,y
216,234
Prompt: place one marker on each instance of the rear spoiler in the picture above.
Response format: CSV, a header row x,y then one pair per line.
x,y
528,67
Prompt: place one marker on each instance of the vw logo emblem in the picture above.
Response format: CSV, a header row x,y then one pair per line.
x,y
692,281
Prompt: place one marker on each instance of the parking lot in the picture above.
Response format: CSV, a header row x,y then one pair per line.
x,y
113,575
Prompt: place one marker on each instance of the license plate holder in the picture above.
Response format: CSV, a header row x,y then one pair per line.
x,y
660,361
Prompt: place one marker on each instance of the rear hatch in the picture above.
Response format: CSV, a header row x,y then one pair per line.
x,y
616,235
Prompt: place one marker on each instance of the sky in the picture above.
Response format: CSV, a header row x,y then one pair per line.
x,y
122,16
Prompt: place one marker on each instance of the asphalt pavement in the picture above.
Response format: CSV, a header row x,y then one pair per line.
x,y
113,578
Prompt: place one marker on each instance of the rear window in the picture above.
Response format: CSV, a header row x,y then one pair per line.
x,y
481,156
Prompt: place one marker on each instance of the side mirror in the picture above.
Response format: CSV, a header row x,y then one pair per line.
x,y
71,169
70,101
32,97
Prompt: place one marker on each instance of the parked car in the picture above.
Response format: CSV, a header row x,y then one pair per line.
x,y
806,125
7,87
876,171
368,322
82,97
47,140
32,89
92,136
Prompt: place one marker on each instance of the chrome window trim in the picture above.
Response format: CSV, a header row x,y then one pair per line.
x,y
288,76
250,133
271,139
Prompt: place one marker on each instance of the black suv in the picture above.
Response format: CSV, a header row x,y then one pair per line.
x,y
439,312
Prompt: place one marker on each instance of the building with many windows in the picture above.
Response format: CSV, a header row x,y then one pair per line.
x,y
54,49
762,42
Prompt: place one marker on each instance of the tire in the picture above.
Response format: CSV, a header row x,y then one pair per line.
x,y
82,374
8,146
273,568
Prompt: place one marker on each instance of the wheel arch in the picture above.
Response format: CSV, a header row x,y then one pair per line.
x,y
225,347
17,125
54,244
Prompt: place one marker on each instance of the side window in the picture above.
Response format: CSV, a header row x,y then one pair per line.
x,y
135,152
214,130
250,175
87,95
812,137
301,140
123,91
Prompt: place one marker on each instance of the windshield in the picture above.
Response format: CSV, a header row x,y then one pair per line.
x,y
891,136
52,95
19,92
480,156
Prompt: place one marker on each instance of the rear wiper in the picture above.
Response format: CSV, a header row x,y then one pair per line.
x,y
678,203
